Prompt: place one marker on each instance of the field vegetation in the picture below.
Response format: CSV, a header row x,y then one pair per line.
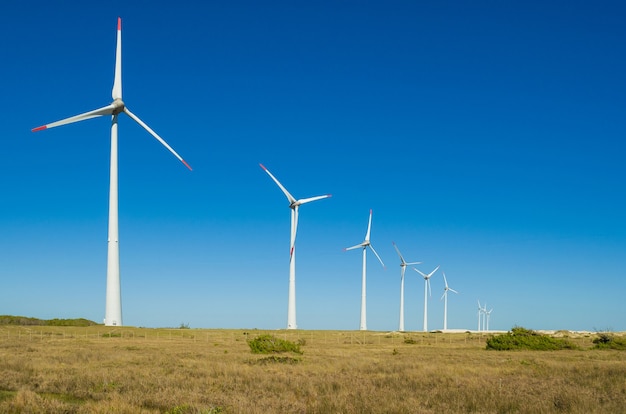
x,y
97,369
522,338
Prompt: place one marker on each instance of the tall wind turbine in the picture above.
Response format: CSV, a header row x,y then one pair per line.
x,y
445,301
364,245
426,291
403,265
480,312
293,205
113,311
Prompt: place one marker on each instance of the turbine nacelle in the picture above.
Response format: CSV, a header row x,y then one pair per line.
x,y
118,106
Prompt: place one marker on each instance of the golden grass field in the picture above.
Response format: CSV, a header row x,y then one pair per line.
x,y
135,370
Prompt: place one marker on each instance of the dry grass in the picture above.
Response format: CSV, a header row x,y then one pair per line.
x,y
96,370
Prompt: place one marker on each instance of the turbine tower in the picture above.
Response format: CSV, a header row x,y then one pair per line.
x,y
445,301
293,205
426,292
487,315
403,265
113,310
364,245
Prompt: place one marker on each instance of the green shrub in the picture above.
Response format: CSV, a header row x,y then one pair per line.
x,y
605,340
269,344
522,338
27,321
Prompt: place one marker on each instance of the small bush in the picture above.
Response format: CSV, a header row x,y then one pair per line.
x,y
522,338
269,344
605,340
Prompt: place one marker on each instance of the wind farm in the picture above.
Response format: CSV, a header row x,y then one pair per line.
x,y
464,128
203,248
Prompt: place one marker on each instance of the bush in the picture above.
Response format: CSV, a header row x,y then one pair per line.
x,y
605,340
269,344
27,321
522,338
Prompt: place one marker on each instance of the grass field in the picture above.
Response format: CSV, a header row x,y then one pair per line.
x,y
131,370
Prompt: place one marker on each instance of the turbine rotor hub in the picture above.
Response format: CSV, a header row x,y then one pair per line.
x,y
118,106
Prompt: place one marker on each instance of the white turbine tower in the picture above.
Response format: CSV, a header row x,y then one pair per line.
x,y
293,205
426,292
113,311
364,245
403,265
445,301
487,315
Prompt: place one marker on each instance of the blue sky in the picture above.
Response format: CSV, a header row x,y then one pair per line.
x,y
487,137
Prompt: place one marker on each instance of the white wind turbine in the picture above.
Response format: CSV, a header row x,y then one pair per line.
x,y
480,312
113,310
445,301
364,245
403,265
487,315
426,292
293,205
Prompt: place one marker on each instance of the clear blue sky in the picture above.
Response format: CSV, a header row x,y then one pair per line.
x,y
487,137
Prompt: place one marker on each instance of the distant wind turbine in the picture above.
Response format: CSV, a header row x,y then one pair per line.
x,y
364,245
113,311
426,292
487,316
445,301
403,265
480,312
294,206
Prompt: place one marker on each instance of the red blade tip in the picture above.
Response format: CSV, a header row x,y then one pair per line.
x,y
41,128
263,166
119,23
186,165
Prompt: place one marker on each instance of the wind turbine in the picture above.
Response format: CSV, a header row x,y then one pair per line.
x,y
113,310
426,290
445,301
403,265
365,244
480,311
487,315
293,205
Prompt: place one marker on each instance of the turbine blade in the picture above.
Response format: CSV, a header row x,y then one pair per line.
x,y
117,83
155,135
379,259
106,110
402,262
308,200
433,272
444,294
425,276
369,227
354,247
294,230
291,199
452,290
412,263
445,281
